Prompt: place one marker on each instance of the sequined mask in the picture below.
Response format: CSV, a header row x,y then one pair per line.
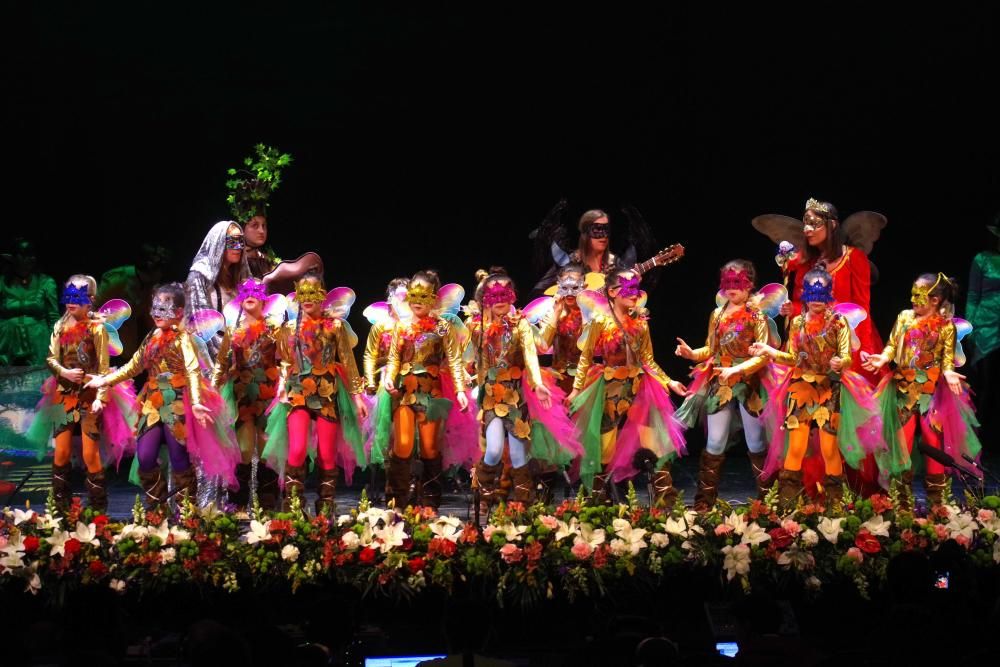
x,y
735,279
921,295
569,286
629,288
421,295
498,293
251,288
599,230
236,242
75,295
162,308
309,292
817,292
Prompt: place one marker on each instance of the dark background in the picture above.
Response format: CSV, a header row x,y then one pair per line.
x,y
438,137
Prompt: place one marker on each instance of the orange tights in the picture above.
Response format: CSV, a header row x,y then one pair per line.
x,y
405,425
798,443
91,451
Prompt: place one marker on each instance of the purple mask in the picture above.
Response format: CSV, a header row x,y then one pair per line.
x,y
251,288
817,292
498,293
629,288
75,295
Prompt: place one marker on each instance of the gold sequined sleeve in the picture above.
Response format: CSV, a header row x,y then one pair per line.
x,y
790,357
370,358
355,383
547,331
223,365
703,353
103,356
392,360
644,346
55,353
591,332
892,345
948,347
761,334
132,368
453,349
844,342
283,350
527,340
192,369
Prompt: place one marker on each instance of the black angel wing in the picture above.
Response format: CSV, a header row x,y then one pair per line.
x,y
549,236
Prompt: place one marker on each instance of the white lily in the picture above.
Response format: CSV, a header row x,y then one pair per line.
x,y
20,516
117,585
258,532
798,559
138,534
58,543
877,526
374,515
162,532
962,524
179,534
14,546
809,537
737,561
391,536
659,540
86,533
447,528
754,535
568,529
633,537
11,560
344,519
511,532
367,537
830,528
592,536
50,522
168,555
737,521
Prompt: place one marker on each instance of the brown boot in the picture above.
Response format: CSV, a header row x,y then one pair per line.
x,y
487,480
62,492
431,484
397,481
267,487
757,462
789,488
709,471
833,488
936,484
664,491
905,487
600,494
185,486
524,485
154,488
505,483
295,478
241,497
327,491
97,489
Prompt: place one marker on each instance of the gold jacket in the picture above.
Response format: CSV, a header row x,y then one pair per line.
x,y
637,352
935,350
177,358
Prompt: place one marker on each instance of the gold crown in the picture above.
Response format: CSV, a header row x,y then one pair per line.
x,y
819,206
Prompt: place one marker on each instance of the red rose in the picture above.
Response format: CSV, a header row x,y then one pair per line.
x,y
30,544
407,544
367,556
416,564
97,568
780,538
867,542
101,520
72,547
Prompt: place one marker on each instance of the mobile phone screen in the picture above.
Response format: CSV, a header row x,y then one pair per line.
x,y
728,649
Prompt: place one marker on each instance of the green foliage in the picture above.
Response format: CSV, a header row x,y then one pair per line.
x,y
252,186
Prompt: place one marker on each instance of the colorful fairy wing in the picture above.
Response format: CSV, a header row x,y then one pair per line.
x,y
855,315
115,312
539,309
231,311
339,301
291,308
593,304
774,338
378,313
962,329
450,298
720,299
462,334
642,300
274,309
770,298
205,323
115,346
351,336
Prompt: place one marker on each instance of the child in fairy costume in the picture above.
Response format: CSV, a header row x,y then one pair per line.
x,y
247,372
820,390
561,323
514,400
728,378
320,389
79,349
925,348
177,405
424,373
621,396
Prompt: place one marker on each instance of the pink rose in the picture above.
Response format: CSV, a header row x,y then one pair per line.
x,y
488,532
942,532
920,522
581,550
511,553
723,529
856,554
791,526
963,540
549,522
985,515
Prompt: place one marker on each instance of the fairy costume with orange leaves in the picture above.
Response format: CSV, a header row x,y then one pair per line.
x,y
623,403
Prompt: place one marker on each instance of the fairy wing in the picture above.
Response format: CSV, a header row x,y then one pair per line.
x,y
450,298
291,308
855,315
539,309
114,313
378,313
593,304
231,312
962,329
204,324
275,308
780,228
862,229
339,301
462,334
351,335
770,298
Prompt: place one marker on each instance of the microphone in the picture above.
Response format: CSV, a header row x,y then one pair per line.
x,y
943,458
644,460
416,474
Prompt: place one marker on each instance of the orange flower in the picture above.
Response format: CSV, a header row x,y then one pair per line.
x,y
298,400
499,391
177,380
309,386
933,373
156,398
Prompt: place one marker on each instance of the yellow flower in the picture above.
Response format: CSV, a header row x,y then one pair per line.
x,y
622,407
325,388
511,397
821,416
791,422
725,394
501,410
521,429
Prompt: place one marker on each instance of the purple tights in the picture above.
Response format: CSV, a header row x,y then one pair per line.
x,y
148,450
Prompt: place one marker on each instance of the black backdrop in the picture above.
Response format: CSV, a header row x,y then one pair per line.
x,y
435,137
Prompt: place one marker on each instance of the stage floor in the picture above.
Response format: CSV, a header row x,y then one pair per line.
x,y
736,486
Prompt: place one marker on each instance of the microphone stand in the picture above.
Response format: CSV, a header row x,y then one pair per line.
x,y
948,461
982,469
